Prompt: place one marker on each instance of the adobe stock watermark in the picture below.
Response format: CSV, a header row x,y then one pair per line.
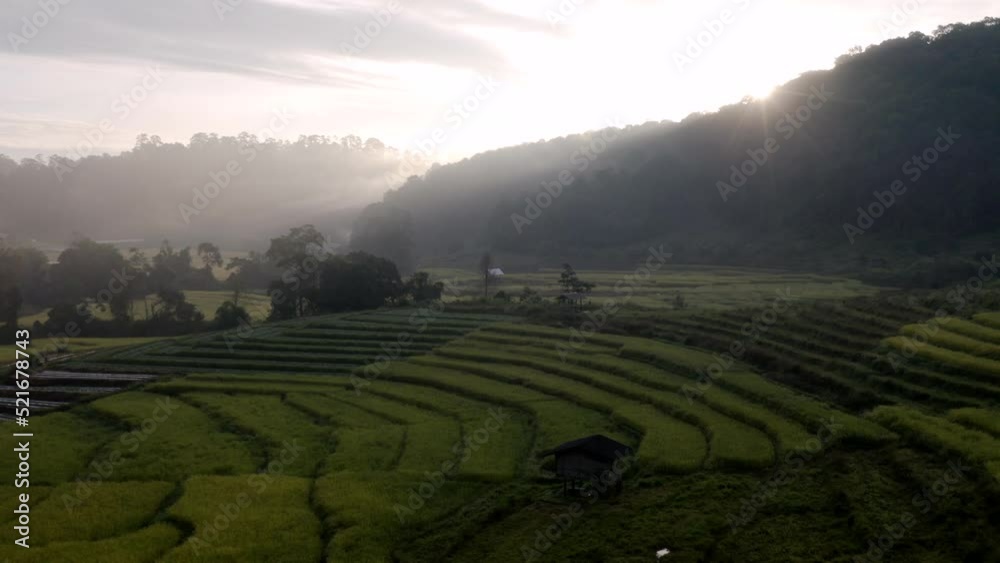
x,y
364,35
924,501
700,42
208,532
901,13
420,494
913,169
392,351
787,127
581,160
563,11
121,109
545,538
958,298
624,290
118,282
219,180
33,25
794,462
225,7
104,469
454,117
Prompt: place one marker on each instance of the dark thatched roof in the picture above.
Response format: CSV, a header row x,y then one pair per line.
x,y
596,446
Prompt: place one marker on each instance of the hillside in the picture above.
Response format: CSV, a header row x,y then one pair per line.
x,y
420,435
835,137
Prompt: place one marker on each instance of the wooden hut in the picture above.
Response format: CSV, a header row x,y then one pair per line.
x,y
587,459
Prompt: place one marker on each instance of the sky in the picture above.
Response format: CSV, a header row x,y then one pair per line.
x,y
447,78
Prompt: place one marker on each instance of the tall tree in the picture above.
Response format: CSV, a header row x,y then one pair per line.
x,y
485,265
86,270
210,255
299,255
170,267
249,272
10,306
357,281
138,264
385,230
289,251
420,288
571,282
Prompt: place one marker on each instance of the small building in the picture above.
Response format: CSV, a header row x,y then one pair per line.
x,y
587,459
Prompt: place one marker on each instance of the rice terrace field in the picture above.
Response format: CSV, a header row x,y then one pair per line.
x,y
841,423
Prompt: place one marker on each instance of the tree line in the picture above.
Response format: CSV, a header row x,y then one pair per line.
x,y
96,289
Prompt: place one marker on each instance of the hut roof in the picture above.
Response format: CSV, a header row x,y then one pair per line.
x,y
596,446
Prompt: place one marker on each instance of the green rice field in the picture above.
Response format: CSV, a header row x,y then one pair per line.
x,y
415,435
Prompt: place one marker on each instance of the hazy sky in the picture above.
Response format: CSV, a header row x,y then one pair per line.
x,y
524,70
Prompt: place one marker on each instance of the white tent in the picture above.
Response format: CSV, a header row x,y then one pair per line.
x,y
496,273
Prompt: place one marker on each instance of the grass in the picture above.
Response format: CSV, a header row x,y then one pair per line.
x,y
76,346
429,445
494,439
109,510
429,436
591,388
991,320
363,440
936,354
731,442
280,427
354,336
367,449
938,432
254,519
945,338
237,385
70,443
370,350
370,510
787,434
328,358
353,491
704,287
338,413
809,412
185,442
196,364
971,329
512,340
144,546
737,378
667,446
557,419
980,419
552,334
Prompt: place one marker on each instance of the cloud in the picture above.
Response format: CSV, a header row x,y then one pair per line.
x,y
277,39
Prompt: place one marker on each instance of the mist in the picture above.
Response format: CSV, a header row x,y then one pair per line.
x,y
235,191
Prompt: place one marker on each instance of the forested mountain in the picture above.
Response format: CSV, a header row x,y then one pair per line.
x,y
919,115
235,190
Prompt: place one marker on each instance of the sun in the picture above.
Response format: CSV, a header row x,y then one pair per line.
x,y
762,92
